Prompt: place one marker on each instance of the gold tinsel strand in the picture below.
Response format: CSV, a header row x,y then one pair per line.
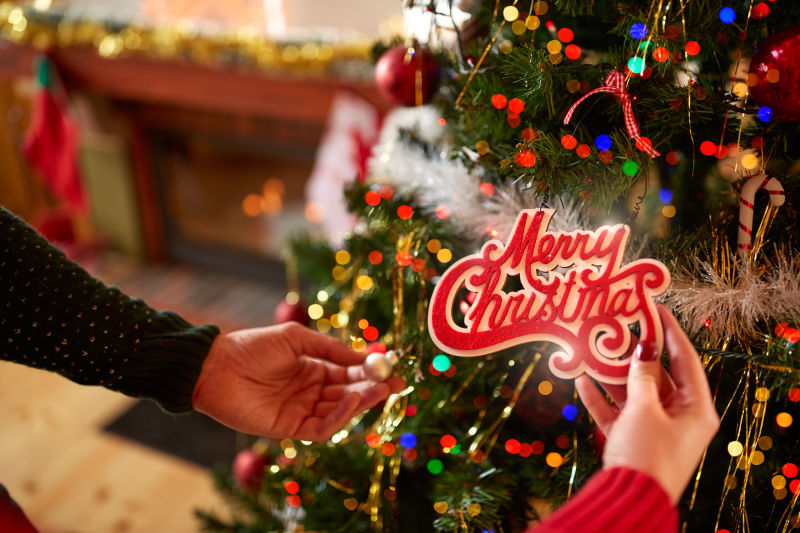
x,y
478,63
494,430
178,42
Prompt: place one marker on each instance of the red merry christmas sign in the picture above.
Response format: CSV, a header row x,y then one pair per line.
x,y
575,293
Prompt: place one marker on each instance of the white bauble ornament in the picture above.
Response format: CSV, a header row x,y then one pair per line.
x,y
377,367
393,357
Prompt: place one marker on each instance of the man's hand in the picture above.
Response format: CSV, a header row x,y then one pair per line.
x,y
285,381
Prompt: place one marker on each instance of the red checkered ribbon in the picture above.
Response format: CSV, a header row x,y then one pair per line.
x,y
615,84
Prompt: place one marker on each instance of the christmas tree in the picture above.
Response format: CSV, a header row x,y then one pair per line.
x,y
667,115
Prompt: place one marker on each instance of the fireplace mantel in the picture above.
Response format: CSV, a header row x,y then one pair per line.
x,y
152,98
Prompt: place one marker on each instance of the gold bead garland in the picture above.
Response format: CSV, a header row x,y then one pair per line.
x,y
26,26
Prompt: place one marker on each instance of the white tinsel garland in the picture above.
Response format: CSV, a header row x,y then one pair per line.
x,y
438,179
716,310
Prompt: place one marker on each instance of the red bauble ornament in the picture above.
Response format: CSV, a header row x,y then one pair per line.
x,y
396,74
291,312
781,54
248,469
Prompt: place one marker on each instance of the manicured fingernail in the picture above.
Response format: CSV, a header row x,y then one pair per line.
x,y
646,351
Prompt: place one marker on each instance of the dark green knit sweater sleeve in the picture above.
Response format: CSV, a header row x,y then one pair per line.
x,y
57,317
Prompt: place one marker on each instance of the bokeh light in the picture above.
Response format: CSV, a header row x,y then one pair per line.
x,y
441,363
252,205
554,459
510,13
375,257
727,15
636,65
765,442
388,449
708,148
405,212
630,168
364,283
525,159
499,101
342,257
603,142
570,412
444,255
482,147
315,311
794,394
760,10
660,54
435,467
735,448
638,31
773,75
762,394
783,419
749,161
572,51
569,142
513,446
408,440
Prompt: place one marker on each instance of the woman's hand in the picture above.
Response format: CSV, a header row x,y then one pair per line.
x,y
285,381
662,428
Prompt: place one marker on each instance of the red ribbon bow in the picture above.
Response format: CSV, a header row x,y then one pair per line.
x,y
615,84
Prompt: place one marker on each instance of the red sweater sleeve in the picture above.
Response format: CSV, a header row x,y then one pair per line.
x,y
621,500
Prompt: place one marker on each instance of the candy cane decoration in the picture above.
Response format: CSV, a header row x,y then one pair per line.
x,y
748,197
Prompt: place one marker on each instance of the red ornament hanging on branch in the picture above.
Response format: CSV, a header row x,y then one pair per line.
x,y
248,469
291,309
776,62
407,75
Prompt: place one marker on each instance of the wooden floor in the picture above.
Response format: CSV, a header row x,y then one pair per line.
x,y
71,477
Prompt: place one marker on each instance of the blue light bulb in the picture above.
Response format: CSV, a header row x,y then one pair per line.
x,y
603,142
638,31
727,15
